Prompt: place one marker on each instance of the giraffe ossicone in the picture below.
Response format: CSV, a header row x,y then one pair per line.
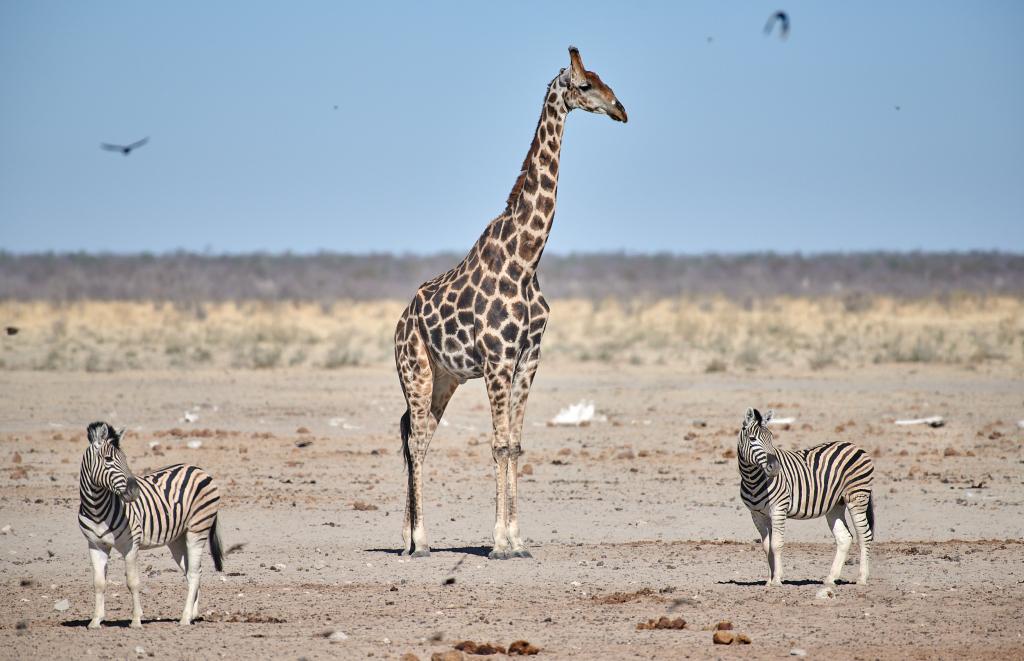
x,y
486,316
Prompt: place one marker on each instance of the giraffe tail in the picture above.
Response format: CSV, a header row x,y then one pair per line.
x,y
406,426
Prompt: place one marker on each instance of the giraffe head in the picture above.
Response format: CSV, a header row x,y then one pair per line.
x,y
587,91
105,466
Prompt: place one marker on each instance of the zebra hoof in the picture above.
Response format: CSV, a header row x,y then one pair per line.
x,y
521,553
94,624
421,553
136,624
500,554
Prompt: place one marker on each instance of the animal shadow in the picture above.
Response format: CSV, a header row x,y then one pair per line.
x,y
123,624
802,582
481,551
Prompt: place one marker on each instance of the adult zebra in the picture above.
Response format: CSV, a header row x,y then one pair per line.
x,y
804,484
175,507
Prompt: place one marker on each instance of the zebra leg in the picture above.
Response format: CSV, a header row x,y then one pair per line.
x,y
178,550
764,528
843,539
99,557
131,573
777,540
859,512
194,555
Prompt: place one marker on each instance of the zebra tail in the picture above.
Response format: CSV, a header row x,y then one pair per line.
x,y
216,549
871,512
406,427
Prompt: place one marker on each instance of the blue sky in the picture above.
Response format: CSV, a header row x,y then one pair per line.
x,y
740,143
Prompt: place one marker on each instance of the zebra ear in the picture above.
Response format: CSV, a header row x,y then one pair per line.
x,y
768,415
97,433
118,436
752,415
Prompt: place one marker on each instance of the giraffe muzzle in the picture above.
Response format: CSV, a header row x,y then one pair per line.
x,y
618,113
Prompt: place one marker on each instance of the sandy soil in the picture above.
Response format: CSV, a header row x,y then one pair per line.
x,y
644,504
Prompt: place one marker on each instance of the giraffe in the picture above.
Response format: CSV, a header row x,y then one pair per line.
x,y
485,318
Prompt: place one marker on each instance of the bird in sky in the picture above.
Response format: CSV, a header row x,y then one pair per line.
x,y
780,17
124,149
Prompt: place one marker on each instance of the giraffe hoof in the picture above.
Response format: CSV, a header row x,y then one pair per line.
x,y
421,553
502,554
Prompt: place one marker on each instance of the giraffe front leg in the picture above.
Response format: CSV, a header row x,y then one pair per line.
x,y
499,385
520,393
131,573
98,556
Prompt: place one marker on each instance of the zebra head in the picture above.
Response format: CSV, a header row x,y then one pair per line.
x,y
755,443
105,466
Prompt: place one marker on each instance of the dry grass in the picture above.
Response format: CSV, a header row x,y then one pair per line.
x,y
697,335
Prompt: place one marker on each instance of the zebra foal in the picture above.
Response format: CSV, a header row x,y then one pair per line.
x,y
805,484
175,507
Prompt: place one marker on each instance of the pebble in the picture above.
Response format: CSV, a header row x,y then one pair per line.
x,y
6,530
722,637
337,636
826,593
796,651
194,444
140,650
62,605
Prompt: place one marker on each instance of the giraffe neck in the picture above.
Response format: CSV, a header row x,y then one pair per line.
x,y
523,228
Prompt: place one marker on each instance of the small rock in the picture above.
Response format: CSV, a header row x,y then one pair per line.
x,y
22,625
796,651
522,648
279,567
723,637
408,656
6,530
450,655
302,430
16,459
742,639
337,636
826,593
361,506
194,444
303,443
724,625
62,605
140,651
527,469
700,423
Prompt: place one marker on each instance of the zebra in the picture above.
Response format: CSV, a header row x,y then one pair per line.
x,y
805,484
175,507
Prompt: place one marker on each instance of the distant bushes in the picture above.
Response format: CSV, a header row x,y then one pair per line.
x,y
191,280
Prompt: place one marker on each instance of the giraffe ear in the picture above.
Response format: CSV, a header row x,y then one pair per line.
x,y
577,73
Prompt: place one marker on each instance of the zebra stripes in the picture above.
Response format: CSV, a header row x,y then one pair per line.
x,y
823,480
175,507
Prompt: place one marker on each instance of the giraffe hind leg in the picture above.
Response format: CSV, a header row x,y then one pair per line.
x,y
416,374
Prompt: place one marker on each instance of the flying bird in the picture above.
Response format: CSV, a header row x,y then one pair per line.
x,y
783,20
124,149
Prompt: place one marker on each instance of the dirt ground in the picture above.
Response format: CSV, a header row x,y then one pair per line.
x,y
633,517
